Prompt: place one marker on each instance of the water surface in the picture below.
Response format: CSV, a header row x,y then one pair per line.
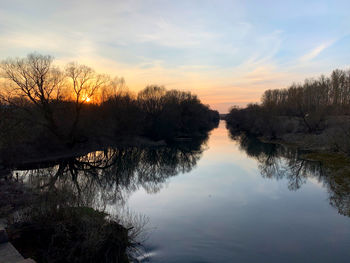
x,y
230,209
222,199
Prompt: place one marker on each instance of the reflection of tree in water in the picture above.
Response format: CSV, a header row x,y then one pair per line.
x,y
100,180
339,190
107,177
281,162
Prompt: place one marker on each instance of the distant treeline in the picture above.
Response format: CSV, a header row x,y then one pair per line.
x,y
325,93
313,107
43,107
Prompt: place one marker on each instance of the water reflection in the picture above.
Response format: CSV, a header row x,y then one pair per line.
x,y
108,177
281,162
230,208
104,180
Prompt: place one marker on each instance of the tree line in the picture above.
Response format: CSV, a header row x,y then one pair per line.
x,y
306,108
44,107
324,93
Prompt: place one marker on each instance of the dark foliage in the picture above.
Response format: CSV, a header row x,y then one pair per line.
x,y
45,109
301,108
70,234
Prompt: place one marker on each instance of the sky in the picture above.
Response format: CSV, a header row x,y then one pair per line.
x,y
226,52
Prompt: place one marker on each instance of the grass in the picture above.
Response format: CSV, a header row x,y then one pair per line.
x,y
13,196
330,160
69,234
52,228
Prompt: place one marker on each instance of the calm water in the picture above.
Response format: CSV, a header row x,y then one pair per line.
x,y
220,200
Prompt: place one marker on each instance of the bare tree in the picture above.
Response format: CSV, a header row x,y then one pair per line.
x,y
34,79
85,83
116,88
151,99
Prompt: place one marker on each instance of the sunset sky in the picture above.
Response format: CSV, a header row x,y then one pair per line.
x,y
227,52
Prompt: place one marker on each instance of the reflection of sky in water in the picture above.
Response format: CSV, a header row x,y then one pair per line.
x,y
225,211
269,207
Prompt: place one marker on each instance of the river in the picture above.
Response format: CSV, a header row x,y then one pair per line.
x,y
223,200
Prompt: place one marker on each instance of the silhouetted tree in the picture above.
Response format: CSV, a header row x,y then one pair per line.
x,y
35,79
78,105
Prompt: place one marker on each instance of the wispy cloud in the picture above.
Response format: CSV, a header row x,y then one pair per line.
x,y
227,53
316,51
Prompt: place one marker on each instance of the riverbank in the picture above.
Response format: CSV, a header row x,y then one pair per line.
x,y
27,154
316,147
48,226
17,159
328,135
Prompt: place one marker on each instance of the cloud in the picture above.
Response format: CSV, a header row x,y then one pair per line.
x,y
172,35
227,54
316,51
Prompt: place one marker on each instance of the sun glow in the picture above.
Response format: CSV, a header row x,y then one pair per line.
x,y
86,99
